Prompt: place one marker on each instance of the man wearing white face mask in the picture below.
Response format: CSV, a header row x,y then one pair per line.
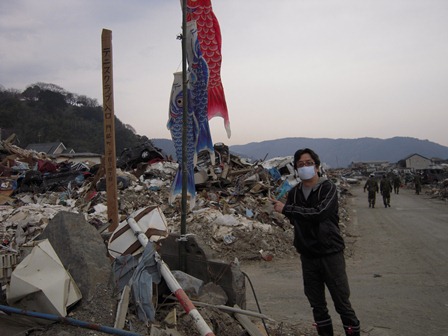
x,y
312,208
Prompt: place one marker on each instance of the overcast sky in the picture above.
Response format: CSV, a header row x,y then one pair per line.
x,y
290,68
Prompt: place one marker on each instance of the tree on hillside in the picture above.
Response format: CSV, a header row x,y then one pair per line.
x,y
129,127
47,113
52,101
86,101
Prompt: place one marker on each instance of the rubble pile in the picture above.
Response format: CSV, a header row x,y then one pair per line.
x,y
438,190
233,216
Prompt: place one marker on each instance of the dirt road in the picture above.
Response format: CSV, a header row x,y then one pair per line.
x,y
398,272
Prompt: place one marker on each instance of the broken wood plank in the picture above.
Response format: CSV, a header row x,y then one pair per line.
x,y
241,171
122,309
247,324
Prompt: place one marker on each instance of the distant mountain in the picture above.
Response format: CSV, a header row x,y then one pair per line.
x,y
48,113
342,152
335,152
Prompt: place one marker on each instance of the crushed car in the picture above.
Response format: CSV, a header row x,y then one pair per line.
x,y
129,158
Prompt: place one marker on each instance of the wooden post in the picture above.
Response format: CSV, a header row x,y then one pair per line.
x,y
110,158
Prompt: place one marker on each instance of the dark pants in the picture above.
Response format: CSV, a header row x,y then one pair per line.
x,y
418,188
371,198
386,198
328,271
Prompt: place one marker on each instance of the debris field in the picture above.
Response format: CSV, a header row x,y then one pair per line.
x,y
233,222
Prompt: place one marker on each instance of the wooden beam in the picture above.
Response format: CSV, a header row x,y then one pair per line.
x,y
110,158
248,325
122,310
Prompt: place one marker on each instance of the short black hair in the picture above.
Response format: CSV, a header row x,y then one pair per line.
x,y
313,155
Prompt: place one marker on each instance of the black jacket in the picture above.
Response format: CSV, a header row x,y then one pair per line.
x,y
315,220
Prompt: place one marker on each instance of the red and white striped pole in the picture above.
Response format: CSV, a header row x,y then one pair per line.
x,y
173,285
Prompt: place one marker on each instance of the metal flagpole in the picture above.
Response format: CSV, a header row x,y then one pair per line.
x,y
183,219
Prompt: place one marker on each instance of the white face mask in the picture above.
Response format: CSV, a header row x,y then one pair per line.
x,y
306,173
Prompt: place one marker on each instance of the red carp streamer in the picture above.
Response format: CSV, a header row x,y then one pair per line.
x,y
209,36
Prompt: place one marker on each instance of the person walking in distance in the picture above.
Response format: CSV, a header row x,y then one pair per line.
x,y
312,208
418,183
372,189
397,183
385,190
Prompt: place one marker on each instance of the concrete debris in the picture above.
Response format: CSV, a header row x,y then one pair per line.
x,y
233,222
213,294
81,249
189,284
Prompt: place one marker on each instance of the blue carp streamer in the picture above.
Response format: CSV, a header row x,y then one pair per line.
x,y
198,80
175,125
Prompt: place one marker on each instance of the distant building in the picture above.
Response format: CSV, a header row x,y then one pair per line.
x,y
439,161
370,166
60,153
91,158
415,162
49,148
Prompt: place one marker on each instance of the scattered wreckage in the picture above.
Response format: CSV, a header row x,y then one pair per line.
x,y
111,278
129,158
31,208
